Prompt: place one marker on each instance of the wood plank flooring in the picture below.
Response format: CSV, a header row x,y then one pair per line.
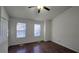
x,y
39,47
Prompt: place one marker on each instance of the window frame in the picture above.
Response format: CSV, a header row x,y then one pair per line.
x,y
34,30
25,30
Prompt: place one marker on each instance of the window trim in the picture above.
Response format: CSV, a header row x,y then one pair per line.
x,y
34,30
25,30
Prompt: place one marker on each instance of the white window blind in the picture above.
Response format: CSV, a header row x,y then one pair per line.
x,y
37,30
21,30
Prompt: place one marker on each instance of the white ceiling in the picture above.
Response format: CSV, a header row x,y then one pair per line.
x,y
31,13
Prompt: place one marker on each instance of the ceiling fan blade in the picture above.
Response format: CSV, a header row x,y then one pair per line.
x,y
46,8
38,10
30,6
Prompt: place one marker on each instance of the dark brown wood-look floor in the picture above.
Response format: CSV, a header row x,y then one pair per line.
x,y
39,47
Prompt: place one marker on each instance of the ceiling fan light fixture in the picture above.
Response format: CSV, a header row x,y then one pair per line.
x,y
40,7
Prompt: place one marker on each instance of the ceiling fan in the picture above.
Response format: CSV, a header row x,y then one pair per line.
x,y
40,8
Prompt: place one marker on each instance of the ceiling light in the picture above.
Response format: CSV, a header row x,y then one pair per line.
x,y
40,7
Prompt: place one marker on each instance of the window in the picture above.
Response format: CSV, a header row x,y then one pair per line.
x,y
37,30
21,30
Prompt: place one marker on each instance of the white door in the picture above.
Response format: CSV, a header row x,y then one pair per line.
x,y
3,35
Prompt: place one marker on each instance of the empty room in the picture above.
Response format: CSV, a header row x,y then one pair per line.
x,y
39,29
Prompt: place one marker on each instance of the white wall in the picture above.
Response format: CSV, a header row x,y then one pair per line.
x,y
0,11
47,30
3,32
0,20
30,35
65,29
4,13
